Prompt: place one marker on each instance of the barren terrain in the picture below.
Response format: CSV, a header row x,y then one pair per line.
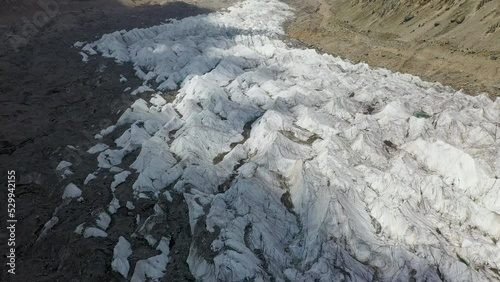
x,y
50,99
452,42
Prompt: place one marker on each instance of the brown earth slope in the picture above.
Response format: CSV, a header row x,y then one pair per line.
x,y
455,42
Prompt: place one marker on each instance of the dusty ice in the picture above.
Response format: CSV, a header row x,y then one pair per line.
x,y
302,166
121,252
103,220
115,169
63,165
87,48
71,191
79,229
47,227
78,44
97,148
114,205
64,169
85,57
107,130
89,178
130,205
154,267
119,179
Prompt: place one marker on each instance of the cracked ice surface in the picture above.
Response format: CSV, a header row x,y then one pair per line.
x,y
303,166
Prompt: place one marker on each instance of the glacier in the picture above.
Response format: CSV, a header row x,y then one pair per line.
x,y
301,166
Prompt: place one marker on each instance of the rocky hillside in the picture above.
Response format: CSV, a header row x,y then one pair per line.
x,y
467,24
456,42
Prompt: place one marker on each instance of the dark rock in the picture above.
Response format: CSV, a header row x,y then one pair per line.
x,y
408,18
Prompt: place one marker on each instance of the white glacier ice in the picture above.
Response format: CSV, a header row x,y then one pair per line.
x,y
119,179
130,205
87,48
90,177
79,229
303,166
63,169
63,165
114,205
97,148
152,268
85,57
121,252
103,220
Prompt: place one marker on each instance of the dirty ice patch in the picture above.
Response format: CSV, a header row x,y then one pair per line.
x,y
103,220
71,191
165,55
121,252
153,267
63,165
64,169
119,179
302,166
94,232
97,148
89,178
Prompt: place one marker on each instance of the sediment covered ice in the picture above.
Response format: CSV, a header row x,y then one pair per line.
x,y
90,177
303,166
94,232
152,268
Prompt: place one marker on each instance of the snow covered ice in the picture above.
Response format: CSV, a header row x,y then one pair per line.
x,y
303,166
121,253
